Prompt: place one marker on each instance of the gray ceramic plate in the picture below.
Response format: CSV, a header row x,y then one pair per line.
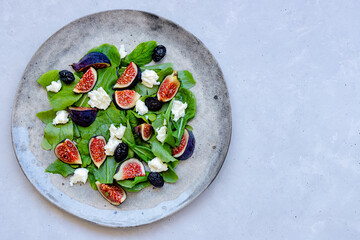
x,y
212,124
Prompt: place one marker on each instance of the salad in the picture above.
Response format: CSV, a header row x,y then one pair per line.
x,y
118,122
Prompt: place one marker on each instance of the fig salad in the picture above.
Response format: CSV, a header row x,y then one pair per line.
x,y
117,121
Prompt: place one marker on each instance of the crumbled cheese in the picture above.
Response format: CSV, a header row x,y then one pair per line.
x,y
117,132
178,109
140,107
62,117
99,99
164,122
80,175
54,86
111,146
161,133
149,78
156,165
116,135
122,51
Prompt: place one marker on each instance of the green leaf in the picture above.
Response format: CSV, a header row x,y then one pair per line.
x,y
160,151
106,171
137,187
184,95
65,97
92,179
110,51
157,67
170,176
129,183
55,134
59,167
46,116
142,54
186,79
107,78
46,79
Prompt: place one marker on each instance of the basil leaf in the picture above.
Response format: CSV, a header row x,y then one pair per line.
x,y
186,79
142,54
59,167
110,51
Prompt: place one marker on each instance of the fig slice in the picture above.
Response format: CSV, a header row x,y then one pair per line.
x,y
186,147
144,131
83,116
125,99
113,193
67,152
96,60
97,150
87,82
169,87
129,169
129,78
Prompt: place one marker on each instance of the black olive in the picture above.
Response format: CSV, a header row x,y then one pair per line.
x,y
153,103
155,179
66,76
121,152
159,53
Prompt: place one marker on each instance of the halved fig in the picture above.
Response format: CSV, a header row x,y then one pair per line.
x,y
186,147
144,131
129,78
96,60
113,193
129,169
83,116
97,150
67,152
87,82
168,87
125,99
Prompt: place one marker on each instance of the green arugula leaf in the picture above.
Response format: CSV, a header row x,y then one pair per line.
x,y
106,171
142,54
59,167
186,79
170,176
129,183
161,151
137,187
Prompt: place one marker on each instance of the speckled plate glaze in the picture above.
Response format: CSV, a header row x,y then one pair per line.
x,y
212,124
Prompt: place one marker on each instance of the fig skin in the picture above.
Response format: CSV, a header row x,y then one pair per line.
x,y
97,162
70,154
113,193
144,131
83,116
96,60
169,87
133,81
187,146
132,164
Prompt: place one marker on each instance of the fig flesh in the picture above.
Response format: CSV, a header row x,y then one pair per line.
x,y
129,78
87,82
96,60
97,150
83,116
144,131
67,152
113,193
125,99
168,88
129,169
186,147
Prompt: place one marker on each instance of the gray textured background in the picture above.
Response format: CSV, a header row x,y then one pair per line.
x,y
293,71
